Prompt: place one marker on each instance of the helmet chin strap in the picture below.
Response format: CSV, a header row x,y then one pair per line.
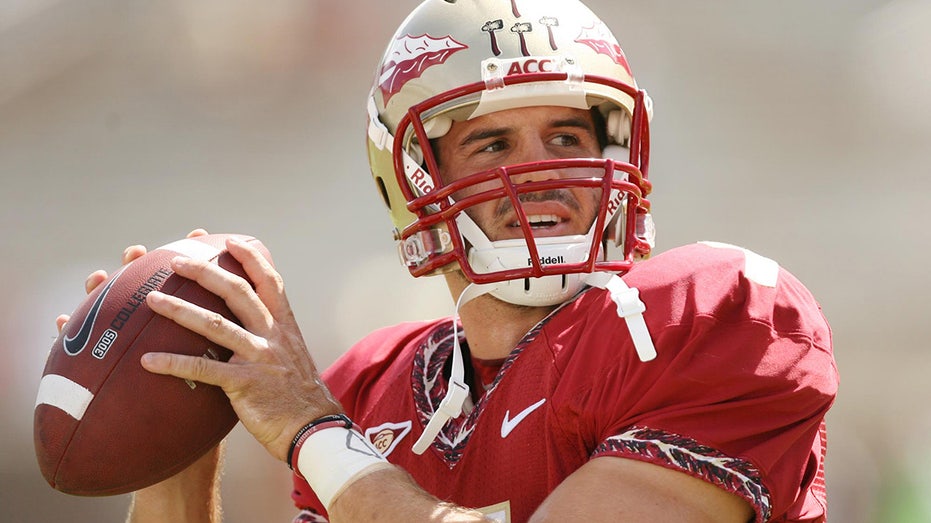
x,y
629,307
457,390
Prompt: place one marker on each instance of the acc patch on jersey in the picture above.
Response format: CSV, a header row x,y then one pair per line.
x,y
385,437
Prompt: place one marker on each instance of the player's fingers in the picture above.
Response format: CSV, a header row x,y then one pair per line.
x,y
197,232
132,252
234,290
194,368
268,283
61,320
93,280
211,325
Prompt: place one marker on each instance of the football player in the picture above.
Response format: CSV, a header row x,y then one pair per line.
x,y
579,379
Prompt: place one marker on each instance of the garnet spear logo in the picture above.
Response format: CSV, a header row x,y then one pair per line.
x,y
600,39
408,58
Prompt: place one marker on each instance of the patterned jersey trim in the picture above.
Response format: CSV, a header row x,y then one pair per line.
x,y
429,388
429,385
687,455
309,516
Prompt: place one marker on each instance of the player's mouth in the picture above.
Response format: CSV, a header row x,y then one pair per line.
x,y
541,224
540,221
549,213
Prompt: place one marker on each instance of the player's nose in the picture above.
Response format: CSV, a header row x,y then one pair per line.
x,y
533,151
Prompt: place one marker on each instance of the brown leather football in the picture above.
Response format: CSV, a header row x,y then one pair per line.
x,y
103,424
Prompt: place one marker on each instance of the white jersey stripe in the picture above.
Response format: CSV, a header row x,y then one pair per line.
x,y
758,269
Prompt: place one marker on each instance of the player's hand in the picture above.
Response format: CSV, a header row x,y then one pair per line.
x,y
271,379
97,277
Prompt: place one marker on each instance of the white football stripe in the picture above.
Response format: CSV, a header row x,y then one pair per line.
x,y
192,249
65,394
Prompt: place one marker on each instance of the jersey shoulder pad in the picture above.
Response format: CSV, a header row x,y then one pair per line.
x,y
729,284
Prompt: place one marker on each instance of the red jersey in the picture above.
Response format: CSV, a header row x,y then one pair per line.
x,y
736,396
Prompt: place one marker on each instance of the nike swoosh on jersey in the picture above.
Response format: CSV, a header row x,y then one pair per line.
x,y
508,424
73,345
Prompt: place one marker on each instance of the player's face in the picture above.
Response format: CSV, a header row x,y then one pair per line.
x,y
517,136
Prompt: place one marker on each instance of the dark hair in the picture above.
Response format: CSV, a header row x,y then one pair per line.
x,y
601,129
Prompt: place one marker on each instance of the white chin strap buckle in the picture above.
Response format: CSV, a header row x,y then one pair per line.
x,y
457,392
629,307
450,407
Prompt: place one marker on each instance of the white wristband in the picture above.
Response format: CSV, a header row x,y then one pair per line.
x,y
333,458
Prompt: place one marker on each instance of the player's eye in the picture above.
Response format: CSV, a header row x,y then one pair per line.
x,y
566,140
493,147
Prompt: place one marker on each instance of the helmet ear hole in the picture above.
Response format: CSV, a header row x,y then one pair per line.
x,y
383,191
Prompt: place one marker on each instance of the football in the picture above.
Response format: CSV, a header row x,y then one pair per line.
x,y
103,425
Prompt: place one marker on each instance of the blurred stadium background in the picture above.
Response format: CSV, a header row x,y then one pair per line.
x,y
797,129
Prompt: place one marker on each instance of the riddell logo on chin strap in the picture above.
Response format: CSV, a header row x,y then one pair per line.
x,y
547,260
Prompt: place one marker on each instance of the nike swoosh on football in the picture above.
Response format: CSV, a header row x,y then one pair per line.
x,y
75,344
507,425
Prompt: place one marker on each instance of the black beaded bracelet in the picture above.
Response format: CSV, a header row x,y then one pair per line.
x,y
333,419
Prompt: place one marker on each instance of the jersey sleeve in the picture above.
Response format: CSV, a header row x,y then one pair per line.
x,y
739,390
